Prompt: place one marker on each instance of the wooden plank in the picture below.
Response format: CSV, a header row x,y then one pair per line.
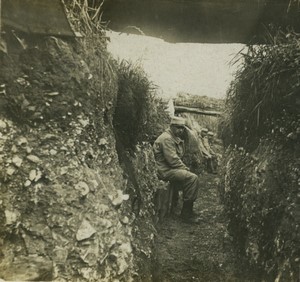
x,y
181,109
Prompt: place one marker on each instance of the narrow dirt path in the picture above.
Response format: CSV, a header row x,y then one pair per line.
x,y
201,252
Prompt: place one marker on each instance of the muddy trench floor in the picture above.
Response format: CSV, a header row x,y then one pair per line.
x,y
199,252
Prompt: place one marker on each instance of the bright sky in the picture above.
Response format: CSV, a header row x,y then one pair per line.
x,y
201,69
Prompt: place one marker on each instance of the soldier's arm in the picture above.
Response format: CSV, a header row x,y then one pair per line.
x,y
171,156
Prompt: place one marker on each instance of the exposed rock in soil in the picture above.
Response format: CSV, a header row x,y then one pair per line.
x,y
64,210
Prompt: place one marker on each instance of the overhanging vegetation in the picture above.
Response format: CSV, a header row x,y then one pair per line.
x,y
266,90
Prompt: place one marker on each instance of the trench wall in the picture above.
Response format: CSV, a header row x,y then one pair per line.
x,y
261,166
66,209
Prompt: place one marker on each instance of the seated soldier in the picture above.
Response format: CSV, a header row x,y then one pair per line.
x,y
168,151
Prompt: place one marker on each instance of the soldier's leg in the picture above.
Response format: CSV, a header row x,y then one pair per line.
x,y
188,181
190,185
210,166
175,197
215,163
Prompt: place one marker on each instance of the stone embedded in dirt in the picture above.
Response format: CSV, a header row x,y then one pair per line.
x,y
85,231
102,208
122,257
119,199
28,268
83,188
10,170
63,170
22,141
25,103
292,136
93,185
108,160
38,175
33,159
125,220
11,217
63,148
84,122
21,81
31,108
17,161
60,254
27,183
105,223
126,248
2,124
89,274
38,229
103,141
89,254
50,136
32,174
53,93
70,142
53,152
122,265
14,149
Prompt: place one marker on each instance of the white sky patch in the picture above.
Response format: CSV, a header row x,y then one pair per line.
x,y
200,69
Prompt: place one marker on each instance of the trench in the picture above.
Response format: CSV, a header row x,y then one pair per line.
x,y
178,251
181,251
202,252
205,252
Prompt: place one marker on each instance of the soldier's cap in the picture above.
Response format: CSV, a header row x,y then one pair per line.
x,y
210,133
179,121
205,130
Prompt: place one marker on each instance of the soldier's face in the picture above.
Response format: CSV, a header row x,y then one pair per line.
x,y
178,130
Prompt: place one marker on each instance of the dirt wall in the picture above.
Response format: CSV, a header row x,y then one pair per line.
x,y
261,130
261,197
66,209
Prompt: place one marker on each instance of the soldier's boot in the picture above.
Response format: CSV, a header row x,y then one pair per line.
x,y
175,203
186,213
192,212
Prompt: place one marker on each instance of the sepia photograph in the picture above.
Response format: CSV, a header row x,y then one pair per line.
x,y
150,140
